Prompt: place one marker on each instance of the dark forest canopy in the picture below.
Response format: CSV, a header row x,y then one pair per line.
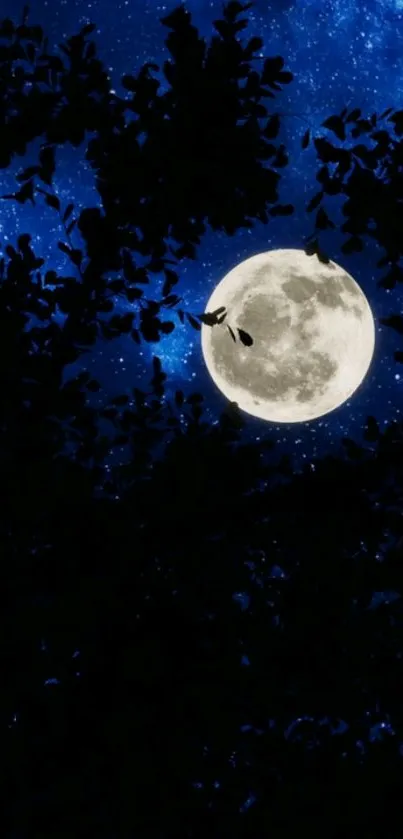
x,y
175,711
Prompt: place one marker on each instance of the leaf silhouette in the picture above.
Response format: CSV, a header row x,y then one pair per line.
x,y
336,125
68,212
193,322
194,398
354,451
171,280
394,321
48,166
272,129
93,386
53,201
282,210
315,201
353,245
371,431
28,173
245,338
323,257
397,119
172,300
354,115
63,247
210,318
363,126
322,220
311,248
157,366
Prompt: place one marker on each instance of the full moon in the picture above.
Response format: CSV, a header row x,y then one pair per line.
x,y
313,336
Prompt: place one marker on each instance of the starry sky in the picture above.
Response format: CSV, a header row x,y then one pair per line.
x,y
341,54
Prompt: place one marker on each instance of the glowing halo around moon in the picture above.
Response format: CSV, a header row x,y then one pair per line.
x,y
313,333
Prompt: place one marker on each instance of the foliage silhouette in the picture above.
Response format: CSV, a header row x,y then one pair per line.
x,y
139,697
373,188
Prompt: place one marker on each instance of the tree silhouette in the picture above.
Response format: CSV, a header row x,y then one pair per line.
x,y
206,643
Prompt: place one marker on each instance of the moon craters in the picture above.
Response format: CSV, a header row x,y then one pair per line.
x,y
269,371
325,290
268,315
313,336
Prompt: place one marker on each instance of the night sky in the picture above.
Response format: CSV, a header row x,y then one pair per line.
x,y
341,54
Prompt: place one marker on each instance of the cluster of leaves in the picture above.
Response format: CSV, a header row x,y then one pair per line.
x,y
158,706
371,178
